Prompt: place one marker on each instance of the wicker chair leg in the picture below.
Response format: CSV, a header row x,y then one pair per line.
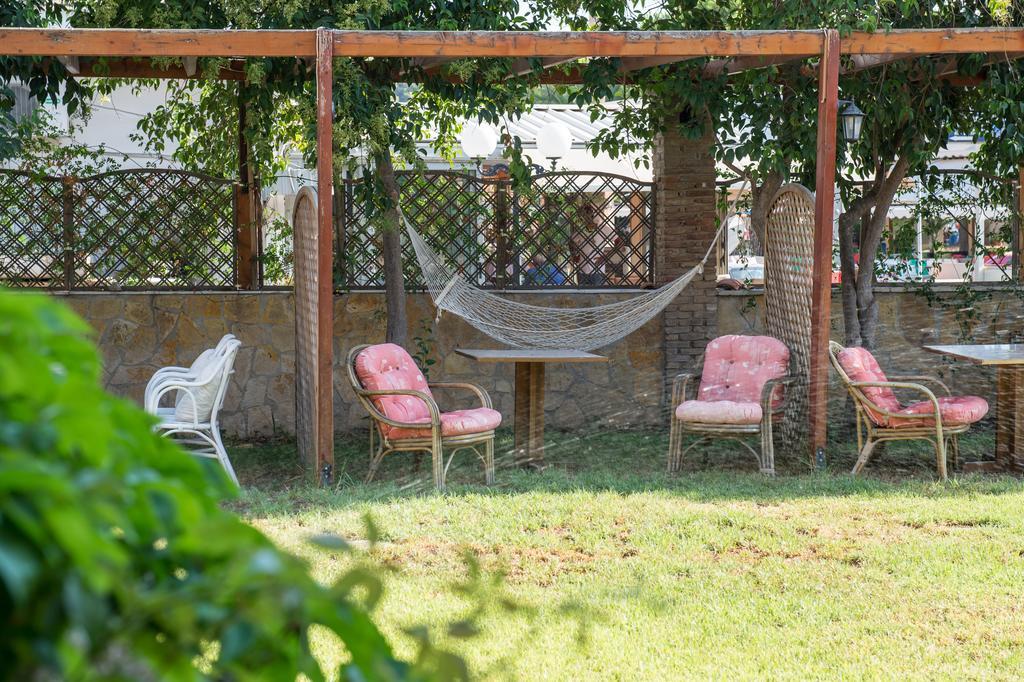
x,y
675,444
940,457
437,457
489,462
954,450
767,458
864,456
375,459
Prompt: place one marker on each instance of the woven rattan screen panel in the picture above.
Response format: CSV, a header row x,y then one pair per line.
x,y
306,347
789,260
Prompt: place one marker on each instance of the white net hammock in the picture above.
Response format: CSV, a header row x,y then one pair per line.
x,y
519,325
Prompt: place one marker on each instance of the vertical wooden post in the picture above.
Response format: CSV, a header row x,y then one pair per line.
x,y
68,221
636,241
325,228
824,208
1018,226
246,224
501,238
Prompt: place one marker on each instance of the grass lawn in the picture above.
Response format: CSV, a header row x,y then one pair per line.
x,y
717,572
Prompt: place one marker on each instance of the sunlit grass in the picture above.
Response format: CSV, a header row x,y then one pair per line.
x,y
714,573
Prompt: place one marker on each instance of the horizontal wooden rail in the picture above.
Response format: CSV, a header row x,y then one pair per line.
x,y
934,41
634,45
576,43
124,42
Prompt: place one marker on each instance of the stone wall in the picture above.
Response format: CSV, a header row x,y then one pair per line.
x,y
139,332
684,170
909,321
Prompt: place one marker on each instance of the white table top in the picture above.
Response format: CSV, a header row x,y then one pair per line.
x,y
984,353
529,355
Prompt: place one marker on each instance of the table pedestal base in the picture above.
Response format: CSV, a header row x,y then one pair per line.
x,y
1009,424
529,417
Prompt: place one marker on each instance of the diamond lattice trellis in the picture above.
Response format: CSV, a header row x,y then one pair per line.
x,y
129,229
566,230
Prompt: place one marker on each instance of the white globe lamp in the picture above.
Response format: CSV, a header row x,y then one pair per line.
x,y
554,140
478,140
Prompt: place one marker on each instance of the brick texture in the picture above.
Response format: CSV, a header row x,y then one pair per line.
x,y
684,172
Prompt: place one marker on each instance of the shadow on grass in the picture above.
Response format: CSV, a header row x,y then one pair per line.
x,y
620,461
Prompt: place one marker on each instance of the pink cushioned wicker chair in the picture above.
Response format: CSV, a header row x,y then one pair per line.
x,y
881,417
393,390
741,394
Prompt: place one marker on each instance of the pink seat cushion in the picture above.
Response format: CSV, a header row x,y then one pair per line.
x,y
456,423
387,367
860,365
718,412
955,411
736,368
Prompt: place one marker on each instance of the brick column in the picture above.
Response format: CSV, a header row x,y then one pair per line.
x,y
684,173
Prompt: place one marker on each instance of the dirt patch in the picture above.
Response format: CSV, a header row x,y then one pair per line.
x,y
520,565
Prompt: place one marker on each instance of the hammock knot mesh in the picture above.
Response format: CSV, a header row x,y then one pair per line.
x,y
519,325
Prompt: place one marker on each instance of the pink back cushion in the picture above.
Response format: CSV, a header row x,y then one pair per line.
x,y
386,367
737,367
860,365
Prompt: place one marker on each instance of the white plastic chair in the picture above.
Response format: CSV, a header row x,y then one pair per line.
x,y
199,395
188,371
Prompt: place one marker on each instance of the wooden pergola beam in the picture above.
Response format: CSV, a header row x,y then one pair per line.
x,y
861,62
523,66
118,42
715,67
575,44
91,67
934,41
668,45
740,64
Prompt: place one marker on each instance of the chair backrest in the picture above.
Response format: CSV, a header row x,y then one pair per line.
x,y
737,367
388,366
858,364
207,396
227,369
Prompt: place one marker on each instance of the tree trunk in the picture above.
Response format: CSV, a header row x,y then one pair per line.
x,y
870,212
761,202
391,246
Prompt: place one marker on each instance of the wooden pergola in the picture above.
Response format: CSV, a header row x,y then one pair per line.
x,y
731,52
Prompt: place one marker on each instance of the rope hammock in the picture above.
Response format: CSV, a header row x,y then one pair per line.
x,y
527,326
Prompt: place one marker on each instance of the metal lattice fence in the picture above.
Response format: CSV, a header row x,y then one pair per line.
x,y
565,230
127,229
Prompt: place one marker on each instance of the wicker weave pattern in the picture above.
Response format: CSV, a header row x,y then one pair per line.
x,y
789,260
306,299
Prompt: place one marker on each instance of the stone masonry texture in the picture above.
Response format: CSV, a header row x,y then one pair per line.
x,y
140,332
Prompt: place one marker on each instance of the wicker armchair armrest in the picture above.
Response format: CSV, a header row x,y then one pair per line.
x,y
769,389
903,385
485,398
680,385
921,379
435,412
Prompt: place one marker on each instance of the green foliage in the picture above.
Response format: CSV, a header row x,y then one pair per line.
x,y
424,346
117,560
40,149
46,79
